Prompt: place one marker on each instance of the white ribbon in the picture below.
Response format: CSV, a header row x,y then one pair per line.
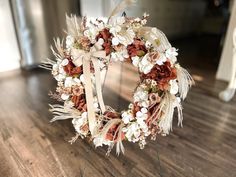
x,y
84,58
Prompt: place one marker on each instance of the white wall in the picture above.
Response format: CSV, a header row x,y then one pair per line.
x,y
9,52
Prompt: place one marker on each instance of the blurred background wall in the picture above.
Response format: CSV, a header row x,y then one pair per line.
x,y
29,26
10,53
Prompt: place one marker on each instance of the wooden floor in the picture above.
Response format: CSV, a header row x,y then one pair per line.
x,y
31,146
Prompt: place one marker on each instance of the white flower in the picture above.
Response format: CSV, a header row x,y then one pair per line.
x,y
172,54
162,58
58,71
134,129
125,37
92,77
69,81
144,103
69,41
121,35
120,55
115,41
64,96
60,77
145,14
144,22
76,55
148,44
137,19
81,78
65,62
99,141
174,88
115,29
99,44
100,41
79,122
127,117
145,65
141,116
132,132
135,60
140,95
91,33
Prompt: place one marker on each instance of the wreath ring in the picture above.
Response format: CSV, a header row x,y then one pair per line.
x,y
90,46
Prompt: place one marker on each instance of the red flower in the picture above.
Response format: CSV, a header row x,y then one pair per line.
x,y
106,36
137,48
162,74
112,134
79,102
71,69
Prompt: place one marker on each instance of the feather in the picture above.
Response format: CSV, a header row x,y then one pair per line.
x,y
59,46
119,144
161,43
180,114
59,54
121,6
62,113
166,112
73,27
47,64
185,81
107,127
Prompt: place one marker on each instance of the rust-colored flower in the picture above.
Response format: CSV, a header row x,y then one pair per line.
x,y
77,90
137,48
112,134
136,108
162,74
79,102
106,36
71,69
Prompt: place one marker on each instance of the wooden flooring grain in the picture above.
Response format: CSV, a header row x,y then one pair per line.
x,y
30,146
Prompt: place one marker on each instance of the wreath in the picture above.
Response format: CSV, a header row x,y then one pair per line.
x,y
90,47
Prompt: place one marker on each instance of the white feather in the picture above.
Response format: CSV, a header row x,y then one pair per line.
x,y
62,113
166,113
185,81
73,27
122,6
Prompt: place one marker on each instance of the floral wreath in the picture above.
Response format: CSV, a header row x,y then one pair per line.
x,y
90,46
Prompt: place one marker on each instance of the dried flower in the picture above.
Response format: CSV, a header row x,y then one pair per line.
x,y
77,90
137,48
106,36
162,75
154,98
71,69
